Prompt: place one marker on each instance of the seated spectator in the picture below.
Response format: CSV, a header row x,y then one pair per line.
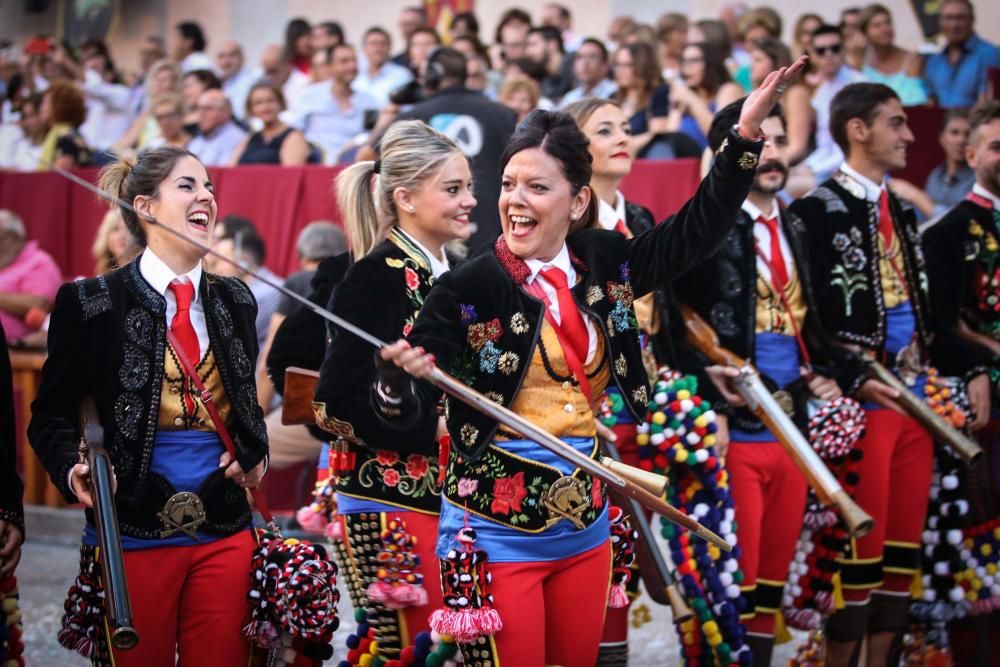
x,y
520,96
618,30
164,77
479,75
168,113
326,34
956,77
62,113
298,44
189,48
755,25
419,46
278,69
276,142
559,17
380,76
109,110
236,78
716,35
21,141
887,63
855,43
218,136
411,19
544,45
29,278
237,239
704,87
114,246
590,67
832,73
641,92
151,51
320,71
511,35
948,183
768,55
671,36
526,69
805,26
333,115
195,83
463,24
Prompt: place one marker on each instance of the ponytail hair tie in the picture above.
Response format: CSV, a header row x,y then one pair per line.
x,y
377,167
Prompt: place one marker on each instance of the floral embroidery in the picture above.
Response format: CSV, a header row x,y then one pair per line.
x,y
509,363
594,294
467,487
621,317
841,241
488,358
416,466
468,314
495,396
621,365
519,324
508,493
849,274
596,498
748,161
414,477
468,433
412,281
640,395
386,457
390,477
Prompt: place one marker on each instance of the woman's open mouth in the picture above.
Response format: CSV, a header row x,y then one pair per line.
x,y
521,225
199,220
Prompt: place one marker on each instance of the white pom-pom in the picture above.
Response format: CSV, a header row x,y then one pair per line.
x,y
793,578
660,397
954,536
980,572
692,438
701,455
687,405
950,482
657,438
941,568
700,510
932,522
956,594
732,592
725,578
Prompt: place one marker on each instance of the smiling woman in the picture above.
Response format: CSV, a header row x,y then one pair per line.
x,y
542,325
180,502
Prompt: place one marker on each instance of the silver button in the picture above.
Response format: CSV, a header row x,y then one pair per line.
x,y
178,421
568,407
566,385
174,390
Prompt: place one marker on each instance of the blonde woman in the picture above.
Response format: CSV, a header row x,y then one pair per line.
x,y
114,246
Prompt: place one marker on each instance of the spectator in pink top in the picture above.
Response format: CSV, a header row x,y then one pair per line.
x,y
29,278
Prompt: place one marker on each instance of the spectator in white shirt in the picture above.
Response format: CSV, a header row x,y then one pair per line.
x,y
278,69
590,68
379,77
189,48
236,79
151,51
218,135
109,102
331,116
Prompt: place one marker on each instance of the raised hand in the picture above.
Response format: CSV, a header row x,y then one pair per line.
x,y
760,102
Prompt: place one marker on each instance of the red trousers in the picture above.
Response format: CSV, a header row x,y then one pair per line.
x,y
769,498
552,611
895,482
189,604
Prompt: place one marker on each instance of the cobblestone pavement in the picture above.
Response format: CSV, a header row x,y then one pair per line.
x,y
47,569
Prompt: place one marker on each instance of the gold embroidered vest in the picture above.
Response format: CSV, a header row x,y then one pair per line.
x,y
174,414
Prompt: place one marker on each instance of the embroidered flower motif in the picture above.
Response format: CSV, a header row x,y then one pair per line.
x,y
496,397
416,466
494,330
386,457
407,328
468,314
466,487
468,433
476,336
619,316
854,259
489,355
748,161
596,501
640,395
508,492
621,293
391,477
594,294
519,323
621,366
841,241
412,279
509,363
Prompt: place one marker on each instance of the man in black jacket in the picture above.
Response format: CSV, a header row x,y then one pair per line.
x,y
479,126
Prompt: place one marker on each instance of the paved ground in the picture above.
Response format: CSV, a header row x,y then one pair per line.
x,y
50,561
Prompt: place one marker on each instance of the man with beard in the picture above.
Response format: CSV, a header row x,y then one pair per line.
x,y
756,294
871,289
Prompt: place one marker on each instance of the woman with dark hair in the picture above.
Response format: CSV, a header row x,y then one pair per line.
x,y
887,63
704,86
298,44
124,339
194,84
63,111
419,46
542,325
641,92
276,142
464,24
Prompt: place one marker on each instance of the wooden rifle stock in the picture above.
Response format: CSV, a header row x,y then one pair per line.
x,y
660,583
763,405
116,599
300,387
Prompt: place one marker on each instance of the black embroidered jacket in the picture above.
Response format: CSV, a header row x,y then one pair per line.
x,y
963,264
108,338
723,291
843,261
11,489
483,327
381,293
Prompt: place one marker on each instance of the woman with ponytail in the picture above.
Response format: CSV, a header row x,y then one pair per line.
x,y
125,338
399,214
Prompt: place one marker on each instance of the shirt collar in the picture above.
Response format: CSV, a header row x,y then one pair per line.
x,y
159,275
983,192
873,190
437,266
561,261
609,215
754,212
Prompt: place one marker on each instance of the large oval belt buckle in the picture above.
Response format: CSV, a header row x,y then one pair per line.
x,y
566,499
785,402
182,513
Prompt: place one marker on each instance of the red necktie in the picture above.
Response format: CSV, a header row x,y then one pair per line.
x,y
570,320
620,226
885,220
183,331
779,272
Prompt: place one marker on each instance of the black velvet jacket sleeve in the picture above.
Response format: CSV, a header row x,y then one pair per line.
x,y
11,489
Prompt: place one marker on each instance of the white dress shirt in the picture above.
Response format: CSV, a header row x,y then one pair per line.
x,y
873,190
236,88
762,235
159,277
388,78
197,60
216,148
320,117
438,267
608,215
983,192
562,262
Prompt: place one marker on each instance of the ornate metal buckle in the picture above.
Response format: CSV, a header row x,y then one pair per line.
x,y
182,513
566,499
785,401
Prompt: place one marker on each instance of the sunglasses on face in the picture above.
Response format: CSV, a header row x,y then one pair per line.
x,y
833,49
